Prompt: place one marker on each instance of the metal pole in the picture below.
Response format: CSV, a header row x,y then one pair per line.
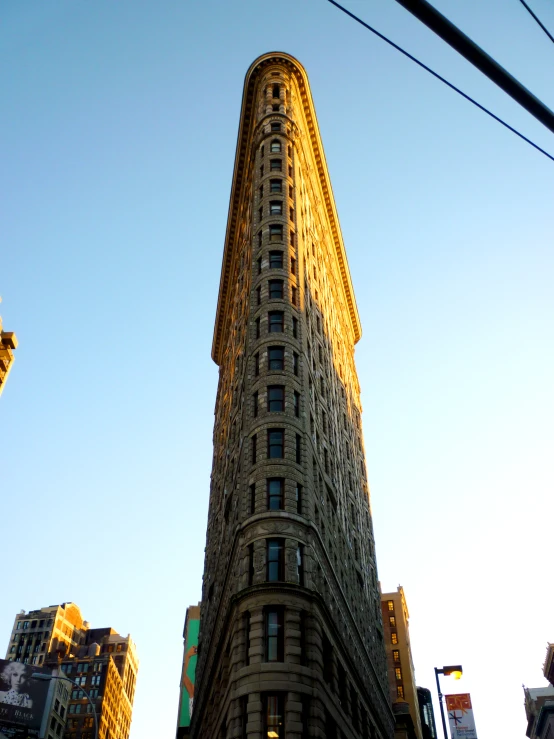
x,y
440,702
64,677
438,23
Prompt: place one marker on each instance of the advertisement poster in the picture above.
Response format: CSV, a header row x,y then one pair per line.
x,y
189,668
22,699
460,716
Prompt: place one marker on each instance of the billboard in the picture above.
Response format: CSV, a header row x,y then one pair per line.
x,y
22,699
192,626
460,716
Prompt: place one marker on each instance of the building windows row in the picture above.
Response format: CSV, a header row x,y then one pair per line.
x,y
275,562
276,446
276,400
276,324
276,360
275,495
276,262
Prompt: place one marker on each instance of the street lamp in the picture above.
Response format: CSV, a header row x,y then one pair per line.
x,y
456,672
45,676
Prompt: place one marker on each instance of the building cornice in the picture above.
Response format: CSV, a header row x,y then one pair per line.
x,y
240,175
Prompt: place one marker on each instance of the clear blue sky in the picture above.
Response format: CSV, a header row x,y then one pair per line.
x,y
118,130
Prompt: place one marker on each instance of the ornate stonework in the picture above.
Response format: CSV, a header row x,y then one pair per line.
x,y
290,613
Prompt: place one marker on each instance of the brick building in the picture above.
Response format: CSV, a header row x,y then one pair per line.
x,y
291,635
102,662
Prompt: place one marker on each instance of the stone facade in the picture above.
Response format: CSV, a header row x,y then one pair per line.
x,y
291,635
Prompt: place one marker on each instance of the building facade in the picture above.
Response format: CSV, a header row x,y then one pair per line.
x,y
539,709
188,670
426,713
8,343
100,661
291,635
400,666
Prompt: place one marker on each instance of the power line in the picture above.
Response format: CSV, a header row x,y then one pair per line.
x,y
538,21
439,77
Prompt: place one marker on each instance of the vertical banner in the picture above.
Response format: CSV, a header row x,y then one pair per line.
x,y
460,716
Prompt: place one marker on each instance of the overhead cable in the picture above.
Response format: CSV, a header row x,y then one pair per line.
x,y
538,21
439,77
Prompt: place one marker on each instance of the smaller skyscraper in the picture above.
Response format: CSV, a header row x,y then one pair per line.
x,y
8,343
400,667
548,667
539,709
100,661
426,714
188,672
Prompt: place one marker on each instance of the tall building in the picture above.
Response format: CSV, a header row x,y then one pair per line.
x,y
101,661
291,636
8,342
426,713
539,709
548,667
400,666
188,671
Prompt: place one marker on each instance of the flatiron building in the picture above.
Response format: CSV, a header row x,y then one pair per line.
x,y
291,635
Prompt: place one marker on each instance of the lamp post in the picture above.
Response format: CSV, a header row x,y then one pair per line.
x,y
44,676
456,672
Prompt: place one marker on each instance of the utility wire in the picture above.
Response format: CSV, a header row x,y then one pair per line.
x,y
442,79
550,36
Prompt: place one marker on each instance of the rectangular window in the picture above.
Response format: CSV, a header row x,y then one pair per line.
x,y
250,564
275,126
275,232
258,295
275,559
276,260
276,358
291,216
293,265
295,363
276,398
252,498
262,171
262,151
390,605
295,328
398,673
392,621
256,365
261,213
276,91
255,404
261,191
396,655
274,640
275,186
298,493
274,716
257,328
247,638
294,295
290,170
276,443
399,691
298,449
276,208
254,442
275,493
394,638
275,289
275,165
296,397
291,238
259,264
300,564
275,321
